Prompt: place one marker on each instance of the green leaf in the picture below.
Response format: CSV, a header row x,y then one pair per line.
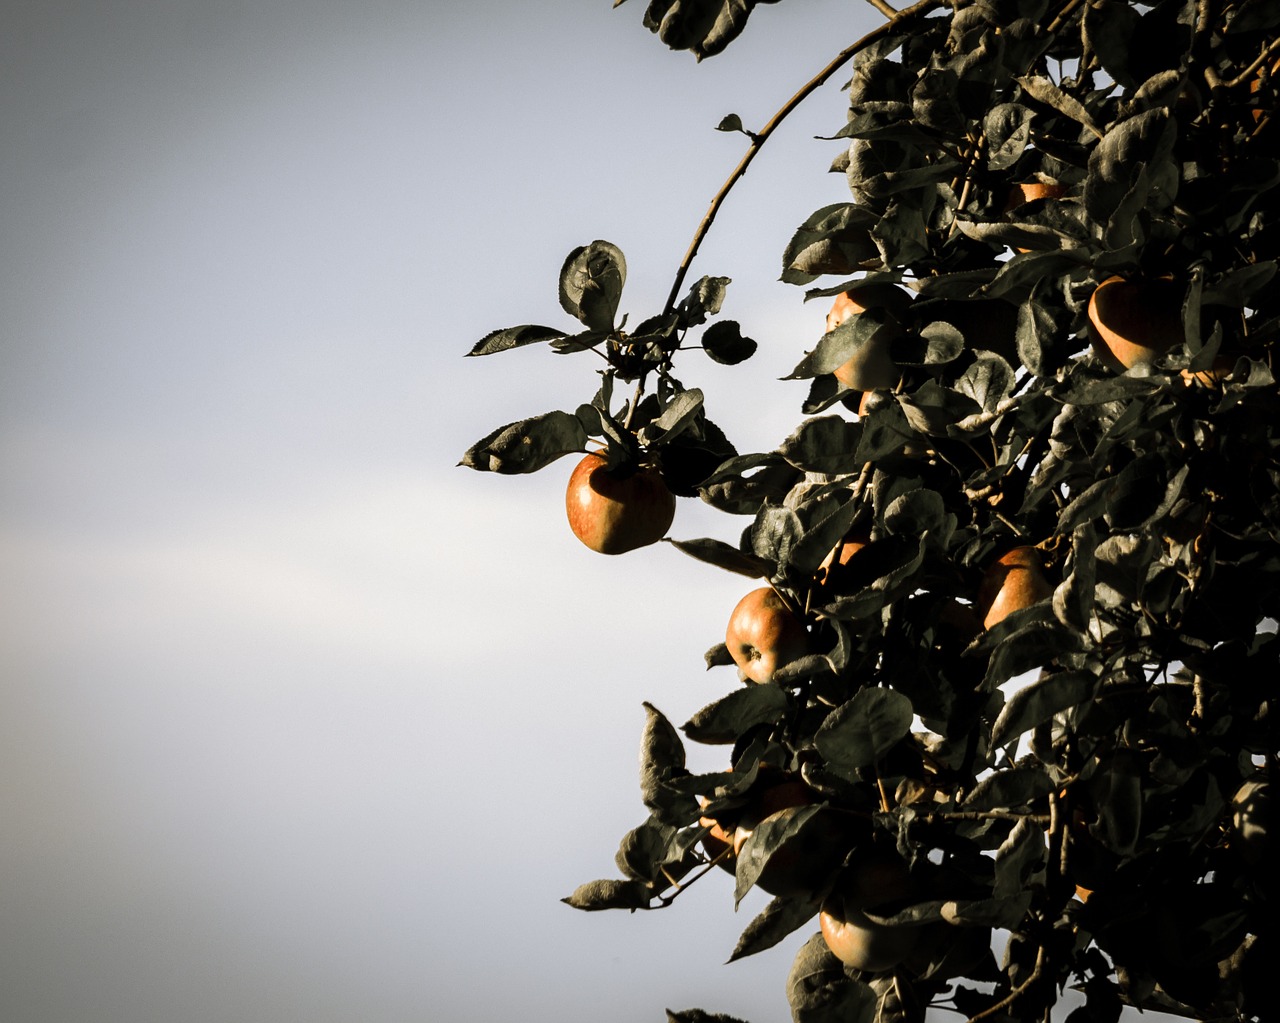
x,y
782,916
988,380
705,298
824,444
1010,789
819,990
732,122
1019,856
1043,90
722,555
833,240
730,717
698,1016
610,894
1037,703
676,417
591,284
527,445
765,839
864,729
1008,127
662,761
514,337
724,343
703,27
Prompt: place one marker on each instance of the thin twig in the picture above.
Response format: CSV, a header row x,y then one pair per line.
x,y
759,139
1016,993
883,8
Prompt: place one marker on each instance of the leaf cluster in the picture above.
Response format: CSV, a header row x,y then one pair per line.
x,y
1068,773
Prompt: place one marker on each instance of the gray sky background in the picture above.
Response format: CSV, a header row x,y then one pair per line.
x,y
299,721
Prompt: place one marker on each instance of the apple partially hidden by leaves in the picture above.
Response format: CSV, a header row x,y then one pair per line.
x,y
1135,322
879,882
1016,580
613,512
764,634
872,367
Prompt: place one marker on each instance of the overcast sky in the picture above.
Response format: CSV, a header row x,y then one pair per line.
x,y
298,720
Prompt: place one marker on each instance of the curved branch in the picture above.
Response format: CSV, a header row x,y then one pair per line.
x,y
758,140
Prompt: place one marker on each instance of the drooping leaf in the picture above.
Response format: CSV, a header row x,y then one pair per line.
x,y
527,445
725,720
662,760
703,27
765,839
781,917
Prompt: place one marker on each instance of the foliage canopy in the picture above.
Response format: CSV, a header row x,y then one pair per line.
x,y
1111,811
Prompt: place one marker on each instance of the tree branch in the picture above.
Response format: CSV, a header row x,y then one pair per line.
x,y
758,140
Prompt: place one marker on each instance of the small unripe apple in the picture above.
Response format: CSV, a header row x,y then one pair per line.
x,y
1015,581
617,513
764,634
1135,322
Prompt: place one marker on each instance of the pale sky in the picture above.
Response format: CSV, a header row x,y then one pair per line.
x,y
298,720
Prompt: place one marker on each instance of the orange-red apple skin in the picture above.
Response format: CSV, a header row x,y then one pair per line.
x,y
613,514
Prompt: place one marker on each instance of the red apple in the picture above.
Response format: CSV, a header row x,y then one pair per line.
x,y
764,634
613,513
1135,322
875,882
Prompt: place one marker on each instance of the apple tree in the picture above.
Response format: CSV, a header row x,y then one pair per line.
x,y
1011,664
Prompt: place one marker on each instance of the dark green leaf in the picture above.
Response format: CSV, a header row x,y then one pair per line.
x,y
824,444
514,337
1010,789
864,729
610,894
662,761
722,555
675,418
834,240
705,298
591,284
698,1016
782,916
703,27
731,716
1038,702
528,445
765,839
724,343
